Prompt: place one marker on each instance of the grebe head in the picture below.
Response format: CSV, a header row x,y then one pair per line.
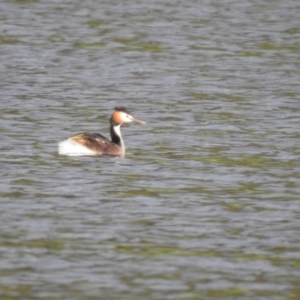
x,y
121,116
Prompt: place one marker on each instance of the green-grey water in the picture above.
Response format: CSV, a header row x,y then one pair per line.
x,y
205,205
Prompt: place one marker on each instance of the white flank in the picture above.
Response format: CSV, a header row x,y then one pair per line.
x,y
70,147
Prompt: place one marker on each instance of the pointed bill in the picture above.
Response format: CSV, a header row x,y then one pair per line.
x,y
138,121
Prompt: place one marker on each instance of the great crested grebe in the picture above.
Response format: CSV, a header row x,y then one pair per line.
x,y
95,144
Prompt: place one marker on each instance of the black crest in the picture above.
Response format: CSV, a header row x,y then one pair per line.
x,y
121,108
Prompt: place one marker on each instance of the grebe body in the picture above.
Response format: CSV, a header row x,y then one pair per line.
x,y
95,144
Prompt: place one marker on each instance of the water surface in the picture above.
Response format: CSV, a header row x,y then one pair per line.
x,y
205,205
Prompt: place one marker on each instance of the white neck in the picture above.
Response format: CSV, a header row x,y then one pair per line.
x,y
116,137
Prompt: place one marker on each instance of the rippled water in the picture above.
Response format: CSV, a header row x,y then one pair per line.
x,y
205,205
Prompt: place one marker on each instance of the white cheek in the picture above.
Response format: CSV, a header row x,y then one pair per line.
x,y
129,119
